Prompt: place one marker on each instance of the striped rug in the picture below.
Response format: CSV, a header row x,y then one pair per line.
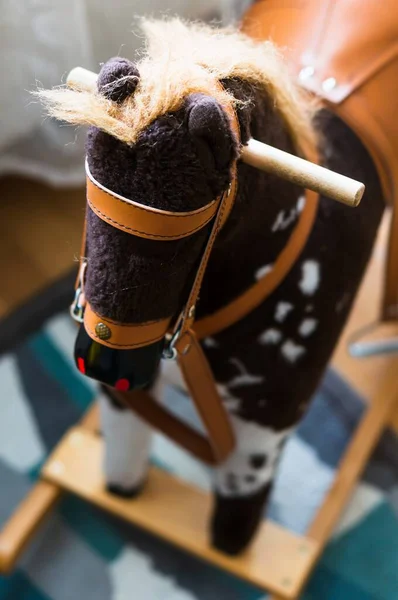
x,y
80,554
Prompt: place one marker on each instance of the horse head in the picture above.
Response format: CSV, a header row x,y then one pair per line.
x,y
162,137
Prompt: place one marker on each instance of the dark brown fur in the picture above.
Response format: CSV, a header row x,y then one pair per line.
x,y
181,162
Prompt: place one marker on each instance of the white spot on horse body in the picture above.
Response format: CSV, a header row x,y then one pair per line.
x,y
263,271
292,351
309,308
231,402
282,222
300,204
244,377
282,310
210,342
310,277
252,464
270,336
307,326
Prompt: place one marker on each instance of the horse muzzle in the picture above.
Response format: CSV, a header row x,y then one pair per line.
x,y
124,370
124,356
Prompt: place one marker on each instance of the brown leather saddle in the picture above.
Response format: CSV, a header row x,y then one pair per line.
x,y
346,52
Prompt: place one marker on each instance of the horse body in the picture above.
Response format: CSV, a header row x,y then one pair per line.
x,y
268,365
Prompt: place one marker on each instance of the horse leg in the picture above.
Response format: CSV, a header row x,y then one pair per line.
x,y
127,447
243,484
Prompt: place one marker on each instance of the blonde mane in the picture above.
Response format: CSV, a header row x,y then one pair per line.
x,y
181,59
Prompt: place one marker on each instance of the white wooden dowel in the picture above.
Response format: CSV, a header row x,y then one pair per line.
x,y
303,173
82,79
272,160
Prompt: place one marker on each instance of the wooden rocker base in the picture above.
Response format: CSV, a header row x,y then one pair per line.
x,y
177,512
278,561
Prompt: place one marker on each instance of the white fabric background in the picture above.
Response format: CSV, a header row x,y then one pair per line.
x,y
40,41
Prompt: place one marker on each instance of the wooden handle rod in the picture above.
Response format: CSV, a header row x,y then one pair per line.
x,y
303,173
272,160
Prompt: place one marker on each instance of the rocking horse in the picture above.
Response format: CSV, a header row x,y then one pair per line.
x,y
206,266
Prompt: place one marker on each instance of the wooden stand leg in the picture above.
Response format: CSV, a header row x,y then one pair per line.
x,y
351,467
25,521
353,463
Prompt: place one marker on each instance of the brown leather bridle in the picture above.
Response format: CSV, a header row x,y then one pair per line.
x,y
182,340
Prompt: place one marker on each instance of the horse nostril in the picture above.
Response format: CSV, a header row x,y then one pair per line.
x,y
122,385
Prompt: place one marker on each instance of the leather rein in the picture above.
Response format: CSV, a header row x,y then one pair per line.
x,y
182,341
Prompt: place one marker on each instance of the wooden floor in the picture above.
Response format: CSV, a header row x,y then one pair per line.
x,y
40,230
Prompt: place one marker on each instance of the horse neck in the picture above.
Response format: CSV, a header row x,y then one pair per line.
x,y
265,213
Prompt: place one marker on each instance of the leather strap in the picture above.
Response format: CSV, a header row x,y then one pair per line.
x,y
255,295
200,381
142,403
145,221
216,447
187,317
123,336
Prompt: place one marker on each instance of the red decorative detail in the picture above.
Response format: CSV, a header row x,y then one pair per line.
x,y
81,365
122,385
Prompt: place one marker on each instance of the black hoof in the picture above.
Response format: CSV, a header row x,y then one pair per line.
x,y
118,490
235,521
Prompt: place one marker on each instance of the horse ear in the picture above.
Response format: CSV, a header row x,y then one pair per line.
x,y
118,79
211,132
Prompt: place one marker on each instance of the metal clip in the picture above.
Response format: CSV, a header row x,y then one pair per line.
x,y
170,351
78,304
